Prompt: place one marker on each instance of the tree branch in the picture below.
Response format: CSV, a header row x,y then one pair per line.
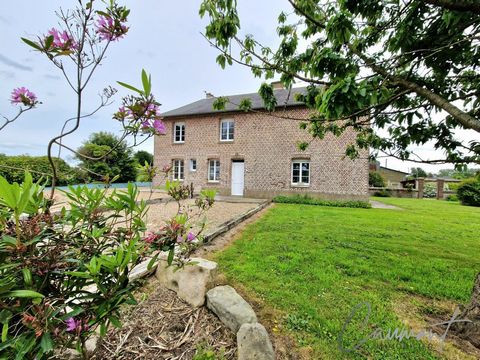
x,y
456,5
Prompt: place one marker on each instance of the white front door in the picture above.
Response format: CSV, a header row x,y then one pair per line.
x,y
238,178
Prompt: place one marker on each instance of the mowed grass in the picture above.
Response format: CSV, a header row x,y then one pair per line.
x,y
313,265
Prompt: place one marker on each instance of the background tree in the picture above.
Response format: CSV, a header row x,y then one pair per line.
x,y
407,68
13,169
418,172
143,156
463,173
116,157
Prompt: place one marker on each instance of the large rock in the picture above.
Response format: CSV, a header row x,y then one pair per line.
x,y
191,282
253,343
230,307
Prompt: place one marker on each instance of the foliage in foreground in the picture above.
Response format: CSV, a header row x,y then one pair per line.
x,y
64,275
308,200
313,265
468,192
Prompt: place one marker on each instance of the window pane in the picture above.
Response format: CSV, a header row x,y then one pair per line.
x,y
224,132
211,170
231,130
217,170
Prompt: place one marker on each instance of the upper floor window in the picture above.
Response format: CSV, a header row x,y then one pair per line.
x,y
301,173
193,165
179,133
214,170
227,129
178,170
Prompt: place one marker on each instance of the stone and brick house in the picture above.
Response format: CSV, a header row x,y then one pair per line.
x,y
255,154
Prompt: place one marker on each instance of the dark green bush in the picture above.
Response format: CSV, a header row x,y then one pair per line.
x,y
382,193
308,200
375,179
469,192
452,197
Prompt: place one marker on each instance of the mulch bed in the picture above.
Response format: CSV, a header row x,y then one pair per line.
x,y
165,327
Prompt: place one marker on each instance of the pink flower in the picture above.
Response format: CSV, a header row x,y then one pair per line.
x,y
159,127
62,40
191,236
110,29
150,237
179,239
76,325
23,96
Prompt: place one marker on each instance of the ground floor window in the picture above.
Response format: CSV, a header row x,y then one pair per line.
x,y
301,173
193,165
178,170
214,170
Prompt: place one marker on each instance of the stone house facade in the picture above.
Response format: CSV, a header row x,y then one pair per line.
x,y
255,154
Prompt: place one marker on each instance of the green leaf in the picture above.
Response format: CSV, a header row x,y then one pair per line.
x,y
115,321
130,87
152,262
147,85
32,44
23,294
171,254
48,42
4,332
46,343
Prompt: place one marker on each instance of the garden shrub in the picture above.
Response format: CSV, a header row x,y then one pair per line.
x,y
308,200
452,197
383,193
469,192
430,190
375,179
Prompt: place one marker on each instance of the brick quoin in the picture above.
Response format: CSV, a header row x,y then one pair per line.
x,y
267,145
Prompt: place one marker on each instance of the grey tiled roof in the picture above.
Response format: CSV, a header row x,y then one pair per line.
x,y
205,106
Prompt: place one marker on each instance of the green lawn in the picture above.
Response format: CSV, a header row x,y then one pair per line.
x,y
314,264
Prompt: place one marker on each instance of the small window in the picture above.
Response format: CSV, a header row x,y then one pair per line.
x,y
179,133
193,165
214,170
300,173
178,170
227,129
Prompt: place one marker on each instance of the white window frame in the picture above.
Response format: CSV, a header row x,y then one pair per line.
x,y
178,170
300,178
230,126
182,133
216,166
192,163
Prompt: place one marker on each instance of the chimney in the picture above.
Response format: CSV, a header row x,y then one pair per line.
x,y
209,95
277,85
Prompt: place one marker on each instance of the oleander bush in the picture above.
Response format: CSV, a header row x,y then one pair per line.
x,y
308,200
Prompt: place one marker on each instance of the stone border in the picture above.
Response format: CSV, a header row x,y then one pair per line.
x,y
223,228
195,285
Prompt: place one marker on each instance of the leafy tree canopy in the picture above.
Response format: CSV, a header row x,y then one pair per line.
x,y
409,69
463,173
418,173
106,155
143,156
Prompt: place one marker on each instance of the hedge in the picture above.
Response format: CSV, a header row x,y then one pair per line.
x,y
13,169
307,200
469,192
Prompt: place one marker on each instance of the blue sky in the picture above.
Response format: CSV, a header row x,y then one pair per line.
x,y
164,38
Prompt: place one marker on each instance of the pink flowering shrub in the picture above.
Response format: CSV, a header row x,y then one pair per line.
x,y
24,97
182,233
